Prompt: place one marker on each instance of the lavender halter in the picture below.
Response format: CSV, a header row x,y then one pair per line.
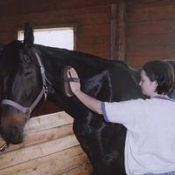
x,y
27,110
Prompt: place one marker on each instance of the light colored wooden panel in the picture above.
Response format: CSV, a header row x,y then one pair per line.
x,y
54,164
37,151
44,128
83,169
48,121
49,148
41,136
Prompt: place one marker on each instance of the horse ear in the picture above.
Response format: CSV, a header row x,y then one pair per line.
x,y
28,35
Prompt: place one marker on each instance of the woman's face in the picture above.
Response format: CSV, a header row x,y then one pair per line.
x,y
148,87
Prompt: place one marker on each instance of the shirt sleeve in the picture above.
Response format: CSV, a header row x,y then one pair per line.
x,y
126,112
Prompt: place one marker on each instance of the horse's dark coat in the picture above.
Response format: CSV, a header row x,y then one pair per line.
x,y
103,79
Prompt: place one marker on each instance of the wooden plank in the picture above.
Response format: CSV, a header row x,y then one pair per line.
x,y
50,147
83,169
94,18
48,121
160,52
145,13
87,40
51,18
151,27
151,40
27,7
95,30
53,164
64,165
37,151
44,128
40,137
147,3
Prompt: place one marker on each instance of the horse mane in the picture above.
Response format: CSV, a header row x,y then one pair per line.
x,y
84,60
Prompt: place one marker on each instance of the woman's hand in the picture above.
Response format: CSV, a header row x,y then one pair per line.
x,y
75,85
91,103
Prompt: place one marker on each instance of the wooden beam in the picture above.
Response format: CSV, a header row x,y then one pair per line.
x,y
114,31
121,31
37,151
60,162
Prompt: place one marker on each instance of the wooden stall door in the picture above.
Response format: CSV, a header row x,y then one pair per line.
x,y
49,148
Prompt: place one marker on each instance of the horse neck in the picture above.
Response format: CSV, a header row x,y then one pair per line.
x,y
54,62
56,59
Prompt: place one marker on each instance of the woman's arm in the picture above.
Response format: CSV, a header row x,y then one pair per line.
x,y
90,102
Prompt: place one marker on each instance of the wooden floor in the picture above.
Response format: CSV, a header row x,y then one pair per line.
x,y
49,148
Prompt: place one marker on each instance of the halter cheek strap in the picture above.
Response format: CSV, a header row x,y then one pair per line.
x,y
27,110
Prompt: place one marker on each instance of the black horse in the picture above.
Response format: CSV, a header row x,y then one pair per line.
x,y
28,72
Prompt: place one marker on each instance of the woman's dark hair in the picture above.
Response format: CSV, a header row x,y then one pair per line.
x,y
163,73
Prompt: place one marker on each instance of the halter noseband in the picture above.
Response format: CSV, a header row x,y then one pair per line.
x,y
44,91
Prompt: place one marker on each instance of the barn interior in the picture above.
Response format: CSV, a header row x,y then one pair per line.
x,y
134,31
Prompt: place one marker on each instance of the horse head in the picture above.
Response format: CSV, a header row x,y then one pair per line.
x,y
20,80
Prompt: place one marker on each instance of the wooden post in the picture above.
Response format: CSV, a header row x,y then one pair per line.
x,y
113,31
121,30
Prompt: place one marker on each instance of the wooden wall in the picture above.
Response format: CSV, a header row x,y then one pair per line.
x,y
91,18
136,31
150,30
49,148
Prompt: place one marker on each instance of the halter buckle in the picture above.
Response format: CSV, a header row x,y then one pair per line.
x,y
46,91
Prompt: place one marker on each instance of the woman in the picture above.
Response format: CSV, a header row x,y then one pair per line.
x,y
150,123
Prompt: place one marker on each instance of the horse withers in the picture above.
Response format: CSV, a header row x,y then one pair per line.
x,y
31,72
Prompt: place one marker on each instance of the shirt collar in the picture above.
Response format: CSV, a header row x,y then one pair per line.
x,y
164,98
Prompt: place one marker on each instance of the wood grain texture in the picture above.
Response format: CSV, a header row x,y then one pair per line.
x,y
49,147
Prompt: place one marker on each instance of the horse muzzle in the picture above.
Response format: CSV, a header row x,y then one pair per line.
x,y
12,134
